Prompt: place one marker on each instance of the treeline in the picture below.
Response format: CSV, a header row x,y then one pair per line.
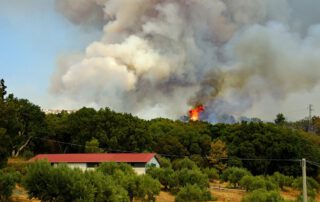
x,y
25,131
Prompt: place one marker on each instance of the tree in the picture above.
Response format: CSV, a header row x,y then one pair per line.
x,y
185,176
193,193
280,120
251,183
164,175
262,195
7,183
234,175
92,146
3,91
211,173
217,154
147,188
184,163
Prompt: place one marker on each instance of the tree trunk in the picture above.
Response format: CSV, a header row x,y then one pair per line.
x,y
22,147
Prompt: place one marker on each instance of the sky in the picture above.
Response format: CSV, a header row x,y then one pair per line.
x,y
33,36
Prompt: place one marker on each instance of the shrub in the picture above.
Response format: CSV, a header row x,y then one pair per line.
x,y
234,175
211,173
184,163
192,193
262,195
184,177
281,180
251,183
164,175
110,168
312,186
7,184
64,184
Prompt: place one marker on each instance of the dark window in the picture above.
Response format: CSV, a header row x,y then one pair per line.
x,y
92,165
139,165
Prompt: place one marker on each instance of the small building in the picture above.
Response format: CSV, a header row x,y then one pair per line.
x,y
138,161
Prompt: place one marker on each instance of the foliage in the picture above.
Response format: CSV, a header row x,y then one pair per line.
x,y
184,163
262,195
234,175
147,188
267,141
7,184
109,168
185,176
164,175
64,184
280,120
92,146
312,186
193,193
251,183
164,162
217,153
281,180
211,173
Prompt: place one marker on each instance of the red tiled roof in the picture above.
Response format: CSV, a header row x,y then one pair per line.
x,y
96,158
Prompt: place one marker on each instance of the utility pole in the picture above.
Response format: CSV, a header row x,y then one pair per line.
x,y
304,180
310,118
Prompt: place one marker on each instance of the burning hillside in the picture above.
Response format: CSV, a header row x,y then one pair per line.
x,y
159,57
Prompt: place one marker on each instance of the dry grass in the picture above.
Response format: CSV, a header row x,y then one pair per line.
x,y
20,195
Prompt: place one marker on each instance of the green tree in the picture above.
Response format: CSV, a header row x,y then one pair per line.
x,y
164,175
147,188
234,175
184,163
281,180
185,176
211,173
57,184
262,195
92,146
109,168
280,120
193,193
7,184
251,183
3,91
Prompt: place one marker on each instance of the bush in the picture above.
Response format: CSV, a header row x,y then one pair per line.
x,y
192,193
234,175
70,185
110,168
147,188
251,183
211,173
184,177
262,195
312,186
281,180
7,184
184,163
164,175
59,184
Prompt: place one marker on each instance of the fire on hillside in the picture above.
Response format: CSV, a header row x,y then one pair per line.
x,y
194,114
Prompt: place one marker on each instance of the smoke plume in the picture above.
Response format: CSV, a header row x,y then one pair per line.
x,y
161,57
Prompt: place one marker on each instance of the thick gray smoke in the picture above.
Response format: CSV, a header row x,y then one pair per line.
x,y
161,57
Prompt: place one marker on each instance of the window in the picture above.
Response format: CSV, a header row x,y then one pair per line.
x,y
92,165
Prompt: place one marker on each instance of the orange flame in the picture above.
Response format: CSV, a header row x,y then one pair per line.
x,y
194,113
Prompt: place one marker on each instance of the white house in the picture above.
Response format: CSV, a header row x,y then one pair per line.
x,y
138,161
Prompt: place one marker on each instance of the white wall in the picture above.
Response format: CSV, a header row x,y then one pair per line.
x,y
154,161
82,166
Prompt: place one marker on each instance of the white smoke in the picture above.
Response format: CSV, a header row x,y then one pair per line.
x,y
160,57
